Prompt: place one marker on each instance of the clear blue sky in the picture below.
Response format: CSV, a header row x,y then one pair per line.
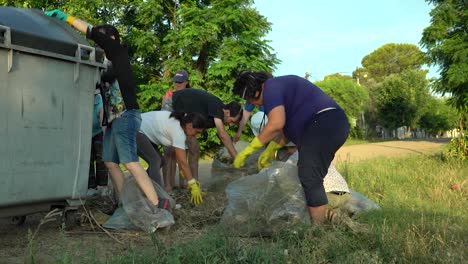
x,y
327,36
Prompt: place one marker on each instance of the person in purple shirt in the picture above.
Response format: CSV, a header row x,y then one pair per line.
x,y
300,112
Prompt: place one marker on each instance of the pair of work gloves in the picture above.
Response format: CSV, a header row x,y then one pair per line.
x,y
60,15
264,159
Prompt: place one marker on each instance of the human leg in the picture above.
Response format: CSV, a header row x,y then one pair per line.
x,y
92,170
101,169
169,168
126,128
151,155
117,175
323,136
143,181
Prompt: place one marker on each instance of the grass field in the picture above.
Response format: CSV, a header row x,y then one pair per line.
x,y
422,221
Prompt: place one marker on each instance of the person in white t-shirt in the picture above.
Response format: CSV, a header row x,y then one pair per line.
x,y
169,130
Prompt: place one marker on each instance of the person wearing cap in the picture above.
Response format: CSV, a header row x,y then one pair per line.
x,y
181,81
124,119
217,115
300,112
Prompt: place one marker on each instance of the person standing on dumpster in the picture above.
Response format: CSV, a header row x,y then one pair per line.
x,y
300,112
124,118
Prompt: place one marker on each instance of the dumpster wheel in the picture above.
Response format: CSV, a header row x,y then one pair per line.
x,y
18,220
71,219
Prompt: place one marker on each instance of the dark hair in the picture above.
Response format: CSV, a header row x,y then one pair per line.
x,y
234,109
109,30
197,119
248,84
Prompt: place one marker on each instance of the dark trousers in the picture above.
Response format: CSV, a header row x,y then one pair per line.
x,y
98,173
323,135
169,169
150,153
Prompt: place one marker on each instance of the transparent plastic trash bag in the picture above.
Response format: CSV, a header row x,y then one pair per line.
x,y
139,209
222,171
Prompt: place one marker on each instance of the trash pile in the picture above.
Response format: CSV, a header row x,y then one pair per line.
x,y
267,202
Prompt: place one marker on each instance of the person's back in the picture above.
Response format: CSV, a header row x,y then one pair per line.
x,y
198,101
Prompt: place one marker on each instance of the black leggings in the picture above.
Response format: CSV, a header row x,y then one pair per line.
x,y
150,153
324,134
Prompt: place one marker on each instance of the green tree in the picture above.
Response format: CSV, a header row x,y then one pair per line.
x,y
439,116
212,39
352,97
392,58
446,41
400,99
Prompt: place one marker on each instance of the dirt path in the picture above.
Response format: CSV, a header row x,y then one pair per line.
x,y
355,153
51,241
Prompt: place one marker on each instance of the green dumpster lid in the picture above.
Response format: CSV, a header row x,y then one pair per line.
x,y
31,28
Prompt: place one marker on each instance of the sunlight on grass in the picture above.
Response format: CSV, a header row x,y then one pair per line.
x,y
422,220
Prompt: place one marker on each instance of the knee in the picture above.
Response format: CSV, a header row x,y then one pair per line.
x,y
111,165
131,166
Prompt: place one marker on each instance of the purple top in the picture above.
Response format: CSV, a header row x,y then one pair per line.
x,y
301,100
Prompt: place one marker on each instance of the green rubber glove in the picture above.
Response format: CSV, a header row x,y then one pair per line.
x,y
57,13
249,150
196,193
268,154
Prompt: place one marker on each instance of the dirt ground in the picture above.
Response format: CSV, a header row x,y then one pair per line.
x,y
52,242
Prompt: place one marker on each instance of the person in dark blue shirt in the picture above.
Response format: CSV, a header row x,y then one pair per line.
x,y
300,112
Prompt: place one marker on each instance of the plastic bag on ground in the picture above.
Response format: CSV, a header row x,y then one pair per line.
x,y
140,211
358,204
119,220
273,199
265,202
222,171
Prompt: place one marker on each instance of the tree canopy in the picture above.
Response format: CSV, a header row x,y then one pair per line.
x,y
393,58
446,40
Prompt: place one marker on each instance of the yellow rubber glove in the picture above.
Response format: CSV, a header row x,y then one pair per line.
x,y
268,154
249,150
195,191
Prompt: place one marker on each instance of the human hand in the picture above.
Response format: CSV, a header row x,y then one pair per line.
x,y
268,154
60,15
236,137
57,13
249,150
196,193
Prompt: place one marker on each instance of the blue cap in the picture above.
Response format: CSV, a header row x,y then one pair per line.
x,y
180,76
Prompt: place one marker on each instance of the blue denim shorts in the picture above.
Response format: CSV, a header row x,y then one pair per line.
x,y
120,138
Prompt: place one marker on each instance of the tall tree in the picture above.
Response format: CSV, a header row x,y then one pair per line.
x,y
393,58
212,39
446,40
347,93
401,98
439,116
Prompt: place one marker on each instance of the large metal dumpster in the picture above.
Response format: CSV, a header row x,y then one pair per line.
x,y
48,74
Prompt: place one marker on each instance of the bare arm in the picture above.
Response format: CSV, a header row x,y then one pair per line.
x,y
181,158
80,25
245,118
225,138
274,126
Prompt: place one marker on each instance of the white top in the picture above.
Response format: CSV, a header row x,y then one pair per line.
x,y
162,130
333,181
